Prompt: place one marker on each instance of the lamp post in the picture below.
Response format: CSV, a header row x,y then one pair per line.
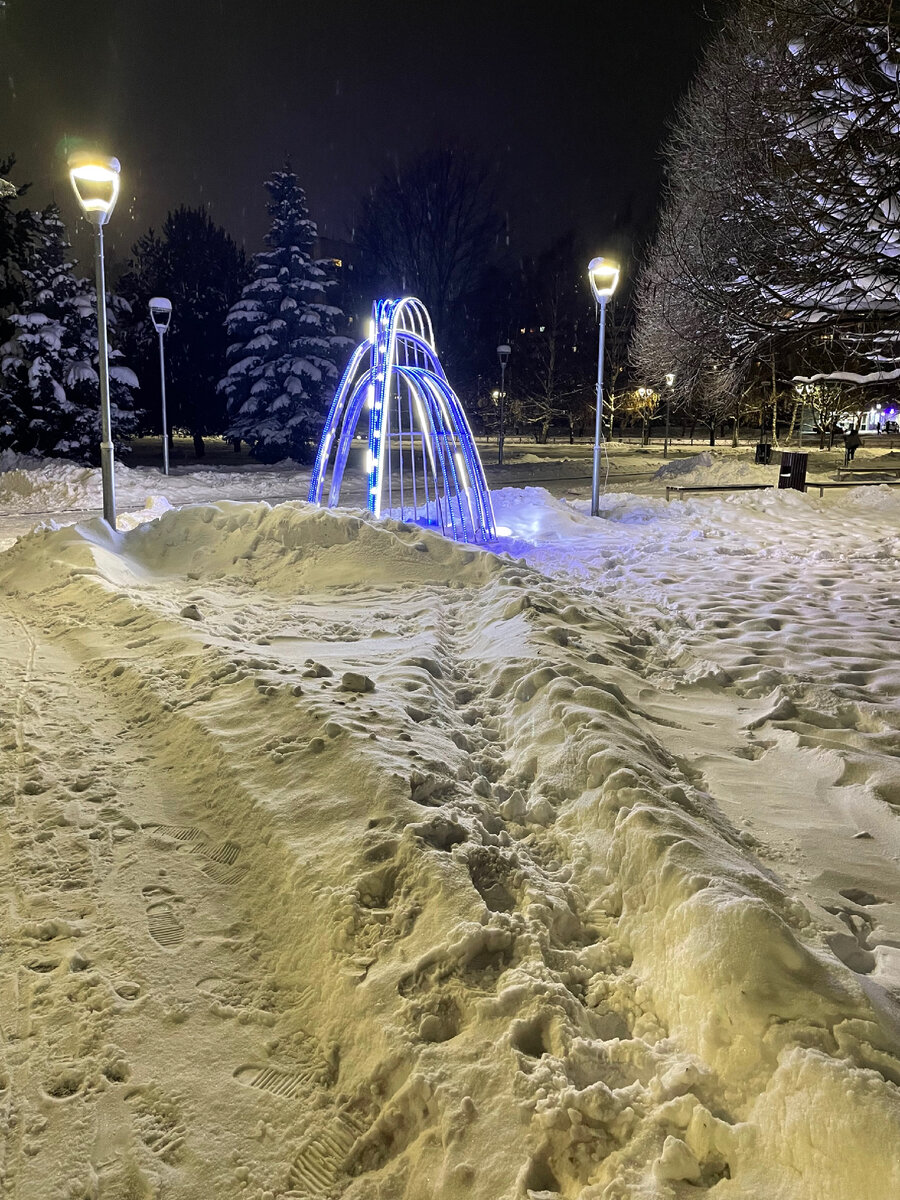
x,y
95,180
161,315
604,275
670,383
503,352
802,390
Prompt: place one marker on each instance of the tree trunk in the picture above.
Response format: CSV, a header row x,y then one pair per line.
x,y
734,432
712,432
236,445
199,448
645,432
774,406
790,432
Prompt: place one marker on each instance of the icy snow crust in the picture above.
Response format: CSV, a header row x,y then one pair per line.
x,y
574,903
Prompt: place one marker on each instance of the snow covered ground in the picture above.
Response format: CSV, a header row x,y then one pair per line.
x,y
344,861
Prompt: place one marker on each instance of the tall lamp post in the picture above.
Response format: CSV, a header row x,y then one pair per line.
x,y
95,180
670,383
161,315
802,390
503,352
604,275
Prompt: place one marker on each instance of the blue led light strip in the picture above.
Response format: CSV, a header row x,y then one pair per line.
x,y
397,367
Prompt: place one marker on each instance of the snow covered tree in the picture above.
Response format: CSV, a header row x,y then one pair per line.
x,y
48,365
780,238
194,263
15,235
284,354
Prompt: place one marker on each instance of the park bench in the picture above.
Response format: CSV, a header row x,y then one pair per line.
x,y
851,483
859,470
681,488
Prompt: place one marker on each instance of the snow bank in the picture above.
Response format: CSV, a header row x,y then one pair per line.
x,y
40,486
709,469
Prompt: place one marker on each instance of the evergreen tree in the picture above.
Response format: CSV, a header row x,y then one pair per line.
x,y
284,352
15,234
48,364
194,263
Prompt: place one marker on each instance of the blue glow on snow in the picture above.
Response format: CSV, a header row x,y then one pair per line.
x,y
418,430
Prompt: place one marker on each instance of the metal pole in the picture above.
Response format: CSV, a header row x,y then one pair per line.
x,y
162,388
107,459
598,428
668,405
502,403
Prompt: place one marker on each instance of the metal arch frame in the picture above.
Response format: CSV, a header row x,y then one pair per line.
x,y
401,351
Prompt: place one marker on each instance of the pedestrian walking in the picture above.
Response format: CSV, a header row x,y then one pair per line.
x,y
852,442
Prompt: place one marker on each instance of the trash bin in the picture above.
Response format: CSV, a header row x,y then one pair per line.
x,y
792,472
763,453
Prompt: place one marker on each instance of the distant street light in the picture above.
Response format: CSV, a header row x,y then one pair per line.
x,y
503,353
604,275
161,315
670,384
95,180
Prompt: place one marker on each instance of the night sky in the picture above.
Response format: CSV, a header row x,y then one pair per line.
x,y
201,99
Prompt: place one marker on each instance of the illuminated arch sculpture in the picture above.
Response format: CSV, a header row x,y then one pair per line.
x,y
418,432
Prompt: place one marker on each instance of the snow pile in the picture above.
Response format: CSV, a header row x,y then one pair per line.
x,y
707,469
423,873
54,485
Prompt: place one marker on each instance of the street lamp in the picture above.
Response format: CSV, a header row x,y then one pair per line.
x,y
95,180
161,315
604,275
503,353
670,384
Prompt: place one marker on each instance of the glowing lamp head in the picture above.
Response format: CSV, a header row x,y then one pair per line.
x,y
160,313
95,180
604,277
670,380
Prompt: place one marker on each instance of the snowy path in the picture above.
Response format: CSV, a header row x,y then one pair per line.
x,y
119,1035
477,932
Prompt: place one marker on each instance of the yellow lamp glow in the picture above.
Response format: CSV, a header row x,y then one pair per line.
x,y
604,277
95,180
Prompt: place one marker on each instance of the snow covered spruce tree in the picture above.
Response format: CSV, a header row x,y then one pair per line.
x,y
15,236
284,354
780,239
48,364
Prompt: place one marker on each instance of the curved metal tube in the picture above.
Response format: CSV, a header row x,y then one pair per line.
x,y
402,356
